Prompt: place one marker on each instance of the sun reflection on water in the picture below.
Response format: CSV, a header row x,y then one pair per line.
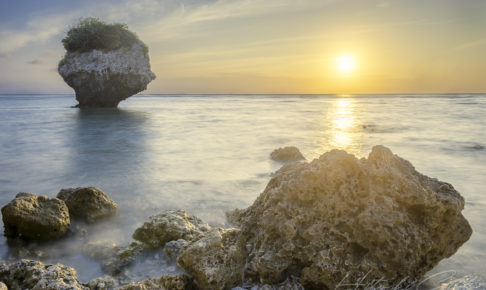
x,y
342,124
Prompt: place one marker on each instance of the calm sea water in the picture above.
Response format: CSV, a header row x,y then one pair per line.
x,y
209,154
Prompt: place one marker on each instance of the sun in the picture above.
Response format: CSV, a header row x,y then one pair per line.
x,y
346,63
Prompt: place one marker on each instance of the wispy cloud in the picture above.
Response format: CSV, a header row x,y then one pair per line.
x,y
35,61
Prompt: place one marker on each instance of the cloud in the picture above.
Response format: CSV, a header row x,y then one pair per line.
x,y
35,61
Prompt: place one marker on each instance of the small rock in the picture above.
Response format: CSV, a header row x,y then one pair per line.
x,y
167,282
168,226
35,275
122,257
216,260
89,203
173,248
102,283
3,286
35,217
287,154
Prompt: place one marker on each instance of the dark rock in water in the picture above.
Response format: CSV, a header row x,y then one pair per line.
x,y
168,226
338,220
105,78
35,217
215,261
89,203
166,282
29,274
287,154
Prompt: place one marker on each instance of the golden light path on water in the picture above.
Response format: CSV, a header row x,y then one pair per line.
x,y
343,128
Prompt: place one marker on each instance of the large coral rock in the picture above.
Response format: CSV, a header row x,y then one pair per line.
x,y
35,217
287,154
89,203
216,261
168,226
35,275
103,79
339,220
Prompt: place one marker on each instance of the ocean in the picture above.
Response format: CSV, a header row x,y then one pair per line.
x,y
208,154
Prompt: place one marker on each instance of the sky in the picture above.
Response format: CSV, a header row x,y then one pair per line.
x,y
263,46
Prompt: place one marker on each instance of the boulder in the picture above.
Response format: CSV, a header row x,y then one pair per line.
x,y
35,217
35,275
216,260
89,203
168,226
104,63
287,154
166,282
338,220
103,283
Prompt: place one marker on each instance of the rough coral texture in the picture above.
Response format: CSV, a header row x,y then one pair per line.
x,y
103,79
103,283
168,226
287,154
215,261
35,217
339,219
89,203
167,282
35,275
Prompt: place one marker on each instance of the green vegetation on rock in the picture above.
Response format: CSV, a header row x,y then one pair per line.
x,y
91,33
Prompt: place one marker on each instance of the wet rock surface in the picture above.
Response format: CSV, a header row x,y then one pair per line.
x,y
29,274
287,154
339,219
103,79
88,203
35,217
168,226
167,282
215,261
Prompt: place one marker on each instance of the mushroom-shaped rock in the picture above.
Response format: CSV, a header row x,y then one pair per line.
x,y
339,219
89,203
216,260
29,274
168,226
287,154
35,217
104,63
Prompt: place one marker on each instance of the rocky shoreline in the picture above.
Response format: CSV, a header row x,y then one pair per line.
x,y
330,223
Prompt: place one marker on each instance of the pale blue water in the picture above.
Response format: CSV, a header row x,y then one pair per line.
x,y
210,154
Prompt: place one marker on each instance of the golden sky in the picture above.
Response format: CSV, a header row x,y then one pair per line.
x,y
266,46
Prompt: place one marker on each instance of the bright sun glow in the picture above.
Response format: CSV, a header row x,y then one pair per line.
x,y
346,63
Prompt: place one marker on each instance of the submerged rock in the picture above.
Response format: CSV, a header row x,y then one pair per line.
x,y
287,154
104,63
89,203
28,274
166,282
168,226
35,217
215,261
339,219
